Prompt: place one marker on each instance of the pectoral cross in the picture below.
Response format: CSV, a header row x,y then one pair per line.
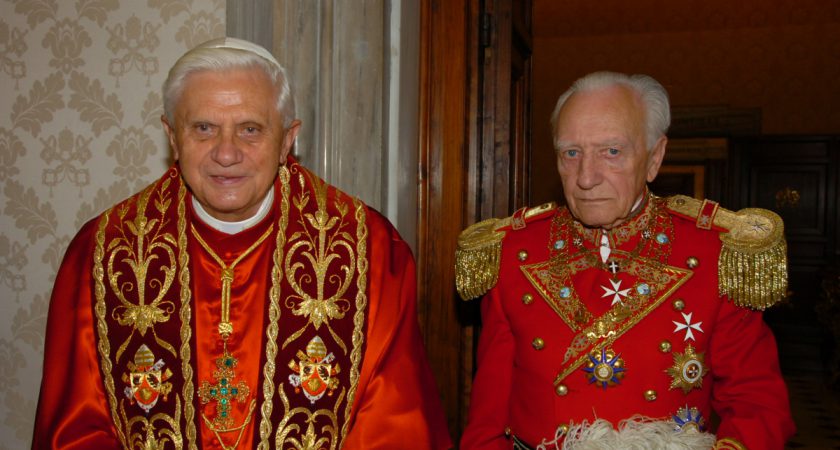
x,y
224,391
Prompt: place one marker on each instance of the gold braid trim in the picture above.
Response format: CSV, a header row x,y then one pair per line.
x,y
752,267
728,444
478,256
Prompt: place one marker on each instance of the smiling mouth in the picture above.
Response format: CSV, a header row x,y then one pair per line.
x,y
225,180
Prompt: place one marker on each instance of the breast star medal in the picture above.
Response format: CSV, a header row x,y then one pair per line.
x,y
688,370
604,368
689,419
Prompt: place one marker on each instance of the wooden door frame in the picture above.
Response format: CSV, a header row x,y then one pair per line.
x,y
469,169
447,189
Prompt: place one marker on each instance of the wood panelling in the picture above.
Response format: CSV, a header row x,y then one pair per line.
x,y
445,181
474,163
797,177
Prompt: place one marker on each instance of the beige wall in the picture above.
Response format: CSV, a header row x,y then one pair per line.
x,y
79,129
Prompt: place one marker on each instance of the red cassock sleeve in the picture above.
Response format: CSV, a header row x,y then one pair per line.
x,y
490,399
72,410
397,403
748,391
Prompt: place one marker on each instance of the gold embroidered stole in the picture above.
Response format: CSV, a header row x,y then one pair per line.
x,y
640,249
318,297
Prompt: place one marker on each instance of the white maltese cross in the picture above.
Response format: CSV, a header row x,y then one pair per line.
x,y
616,292
687,326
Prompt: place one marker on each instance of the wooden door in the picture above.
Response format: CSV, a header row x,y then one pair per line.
x,y
474,159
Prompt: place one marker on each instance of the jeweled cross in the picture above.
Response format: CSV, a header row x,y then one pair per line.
x,y
224,391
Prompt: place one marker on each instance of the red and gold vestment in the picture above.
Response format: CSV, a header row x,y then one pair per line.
x,y
325,350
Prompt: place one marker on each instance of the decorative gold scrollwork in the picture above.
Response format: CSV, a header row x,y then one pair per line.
x,y
142,242
322,243
787,198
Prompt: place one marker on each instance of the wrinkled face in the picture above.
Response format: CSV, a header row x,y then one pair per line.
x,y
229,140
601,155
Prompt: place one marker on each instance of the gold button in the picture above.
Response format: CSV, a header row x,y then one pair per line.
x,y
507,432
563,429
538,343
664,346
561,390
692,262
679,304
522,255
650,395
527,299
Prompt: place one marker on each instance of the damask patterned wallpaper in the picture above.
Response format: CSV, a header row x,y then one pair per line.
x,y
80,105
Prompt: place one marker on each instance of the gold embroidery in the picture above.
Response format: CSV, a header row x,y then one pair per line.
x,y
308,440
146,438
553,278
324,240
361,305
151,243
320,244
655,281
273,327
104,345
186,316
620,319
142,316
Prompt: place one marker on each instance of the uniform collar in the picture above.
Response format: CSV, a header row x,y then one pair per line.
x,y
636,222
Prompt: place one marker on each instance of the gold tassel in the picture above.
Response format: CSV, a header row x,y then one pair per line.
x,y
477,259
752,269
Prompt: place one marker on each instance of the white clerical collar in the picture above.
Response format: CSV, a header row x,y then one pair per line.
x,y
234,227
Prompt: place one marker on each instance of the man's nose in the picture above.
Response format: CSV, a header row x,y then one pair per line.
x,y
589,172
227,152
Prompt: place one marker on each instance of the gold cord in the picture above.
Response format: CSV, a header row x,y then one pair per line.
x,y
225,326
228,363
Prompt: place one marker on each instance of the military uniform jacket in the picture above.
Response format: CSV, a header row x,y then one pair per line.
x,y
570,335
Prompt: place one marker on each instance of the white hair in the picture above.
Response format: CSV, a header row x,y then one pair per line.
x,y
652,94
228,54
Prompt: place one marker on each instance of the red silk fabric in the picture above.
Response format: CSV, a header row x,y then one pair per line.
x,y
396,400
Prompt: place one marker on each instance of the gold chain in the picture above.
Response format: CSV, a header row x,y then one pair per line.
x,y
225,326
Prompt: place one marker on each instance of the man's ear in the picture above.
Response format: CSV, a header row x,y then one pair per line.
x,y
657,154
289,140
170,135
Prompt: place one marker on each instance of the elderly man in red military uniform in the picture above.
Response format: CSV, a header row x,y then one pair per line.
x,y
238,302
624,320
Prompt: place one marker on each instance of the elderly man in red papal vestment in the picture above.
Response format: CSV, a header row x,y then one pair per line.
x,y
623,320
238,302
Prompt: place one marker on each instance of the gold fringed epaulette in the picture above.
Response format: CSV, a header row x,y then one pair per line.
x,y
752,267
478,256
